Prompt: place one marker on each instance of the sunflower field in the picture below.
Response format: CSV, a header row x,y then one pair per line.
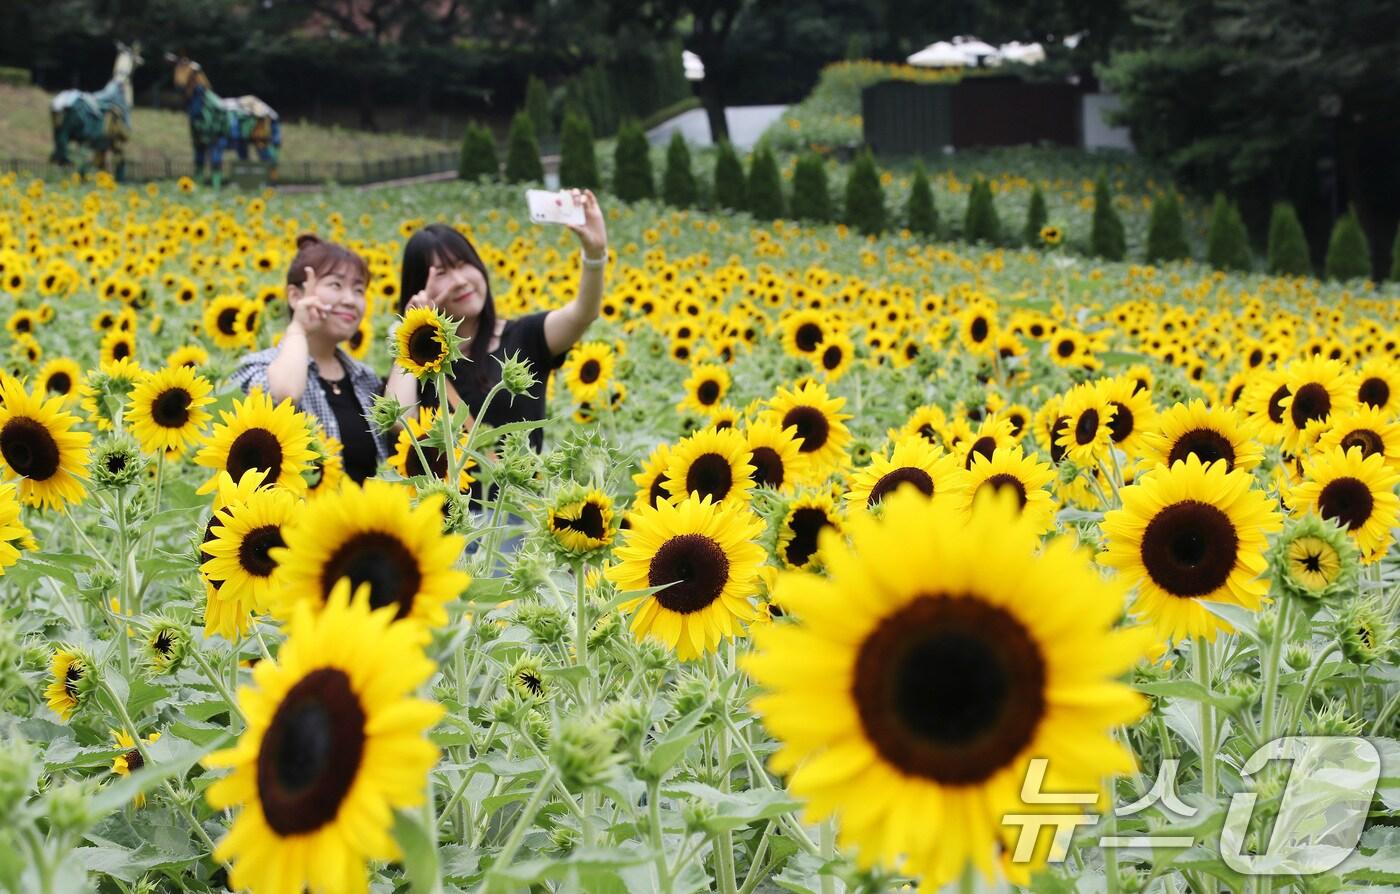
x,y
842,554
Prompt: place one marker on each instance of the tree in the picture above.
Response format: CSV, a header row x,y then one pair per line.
x,y
865,197
981,222
920,214
537,106
765,186
678,183
479,157
1106,237
523,152
632,178
730,186
578,164
1166,231
1348,254
1227,243
811,196
1288,246
1036,216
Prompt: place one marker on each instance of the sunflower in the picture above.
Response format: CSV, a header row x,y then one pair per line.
x,y
1211,434
240,564
1051,235
257,435
1378,384
652,485
68,684
1087,431
821,427
1011,470
167,408
327,469
706,558
927,421
117,346
60,377
834,356
1354,490
14,534
1067,348
584,524
977,330
712,464
336,741
804,331
1315,559
588,370
1189,533
1317,388
993,433
39,445
421,343
1133,414
221,322
705,388
372,535
921,678
130,760
1264,400
1370,429
113,378
801,527
911,461
424,429
775,454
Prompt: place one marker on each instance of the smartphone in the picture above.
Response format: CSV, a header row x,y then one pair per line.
x,y
553,207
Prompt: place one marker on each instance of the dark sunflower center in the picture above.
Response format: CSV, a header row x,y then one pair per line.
x,y
1121,425
134,760
1057,452
896,477
1311,402
805,525
71,678
927,432
710,475
589,372
1347,501
310,753
1006,481
253,551
116,463
658,492
807,337
256,448
984,447
59,383
979,329
812,427
1374,392
121,350
1207,445
708,392
950,689
1367,440
424,345
1189,548
380,560
1312,563
227,321
163,643
1276,403
767,467
171,409
532,682
589,522
29,448
832,357
695,566
1065,347
1086,428
437,463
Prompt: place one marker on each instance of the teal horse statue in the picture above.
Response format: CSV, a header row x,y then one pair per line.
x,y
100,121
218,125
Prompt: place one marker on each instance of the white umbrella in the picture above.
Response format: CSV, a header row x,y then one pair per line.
x,y
694,68
1024,53
940,55
972,47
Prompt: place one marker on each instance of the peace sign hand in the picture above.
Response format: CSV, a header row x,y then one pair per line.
x,y
309,311
428,295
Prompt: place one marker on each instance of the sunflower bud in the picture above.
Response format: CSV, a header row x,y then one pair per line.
x,y
519,464
527,680
697,816
1363,632
1298,656
19,776
652,657
584,753
694,691
67,808
579,521
72,681
385,412
604,630
11,661
116,462
1242,687
1314,559
563,839
629,720
456,506
1333,720
516,375
509,710
546,623
167,642
528,574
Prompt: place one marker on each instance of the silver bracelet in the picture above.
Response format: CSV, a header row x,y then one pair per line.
x,y
592,263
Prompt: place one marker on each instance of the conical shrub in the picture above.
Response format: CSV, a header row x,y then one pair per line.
x,y
731,187
1036,217
632,178
921,214
811,195
865,197
1288,245
1166,231
578,163
479,157
1348,253
678,182
523,152
1106,238
765,187
981,222
1227,243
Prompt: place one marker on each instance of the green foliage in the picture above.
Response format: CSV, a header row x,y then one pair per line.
x,y
632,178
730,186
1395,257
537,106
811,196
981,222
1348,253
920,213
14,77
634,83
1106,238
678,183
523,152
578,164
1036,217
865,197
1227,243
479,158
1288,246
765,186
1166,231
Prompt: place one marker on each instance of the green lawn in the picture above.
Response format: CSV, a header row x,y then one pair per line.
x,y
25,133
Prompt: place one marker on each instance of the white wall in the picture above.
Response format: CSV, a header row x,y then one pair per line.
x,y
1098,133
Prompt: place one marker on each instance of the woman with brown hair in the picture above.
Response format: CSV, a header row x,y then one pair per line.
x,y
326,301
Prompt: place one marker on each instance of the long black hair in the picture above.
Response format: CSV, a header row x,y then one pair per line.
x,y
439,244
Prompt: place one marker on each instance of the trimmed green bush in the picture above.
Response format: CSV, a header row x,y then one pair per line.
x,y
578,163
811,196
730,185
678,183
1036,218
1348,253
1227,243
537,106
765,186
1288,246
921,215
865,197
1166,231
15,77
1106,237
632,178
523,152
981,222
479,158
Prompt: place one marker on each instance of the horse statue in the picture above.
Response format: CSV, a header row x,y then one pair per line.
x,y
101,120
217,125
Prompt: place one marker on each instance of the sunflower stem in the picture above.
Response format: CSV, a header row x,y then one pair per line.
x,y
449,439
1306,693
663,878
219,685
92,550
1201,665
1384,716
523,823
826,834
155,507
1271,668
123,589
581,632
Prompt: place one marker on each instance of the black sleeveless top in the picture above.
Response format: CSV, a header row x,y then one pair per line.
x,y
358,453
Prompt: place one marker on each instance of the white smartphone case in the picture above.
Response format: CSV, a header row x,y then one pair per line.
x,y
553,207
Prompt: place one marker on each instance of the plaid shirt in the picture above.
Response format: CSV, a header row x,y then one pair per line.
x,y
252,373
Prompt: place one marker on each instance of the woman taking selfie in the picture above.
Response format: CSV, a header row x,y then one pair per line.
x,y
442,269
326,299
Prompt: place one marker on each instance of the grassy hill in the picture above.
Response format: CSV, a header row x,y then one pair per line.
x,y
26,133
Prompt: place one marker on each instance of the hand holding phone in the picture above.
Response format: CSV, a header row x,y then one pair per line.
x,y
548,207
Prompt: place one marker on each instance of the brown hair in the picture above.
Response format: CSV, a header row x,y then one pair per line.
x,y
322,257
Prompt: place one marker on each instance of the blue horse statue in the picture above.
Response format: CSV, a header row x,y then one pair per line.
x,y
218,125
100,121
